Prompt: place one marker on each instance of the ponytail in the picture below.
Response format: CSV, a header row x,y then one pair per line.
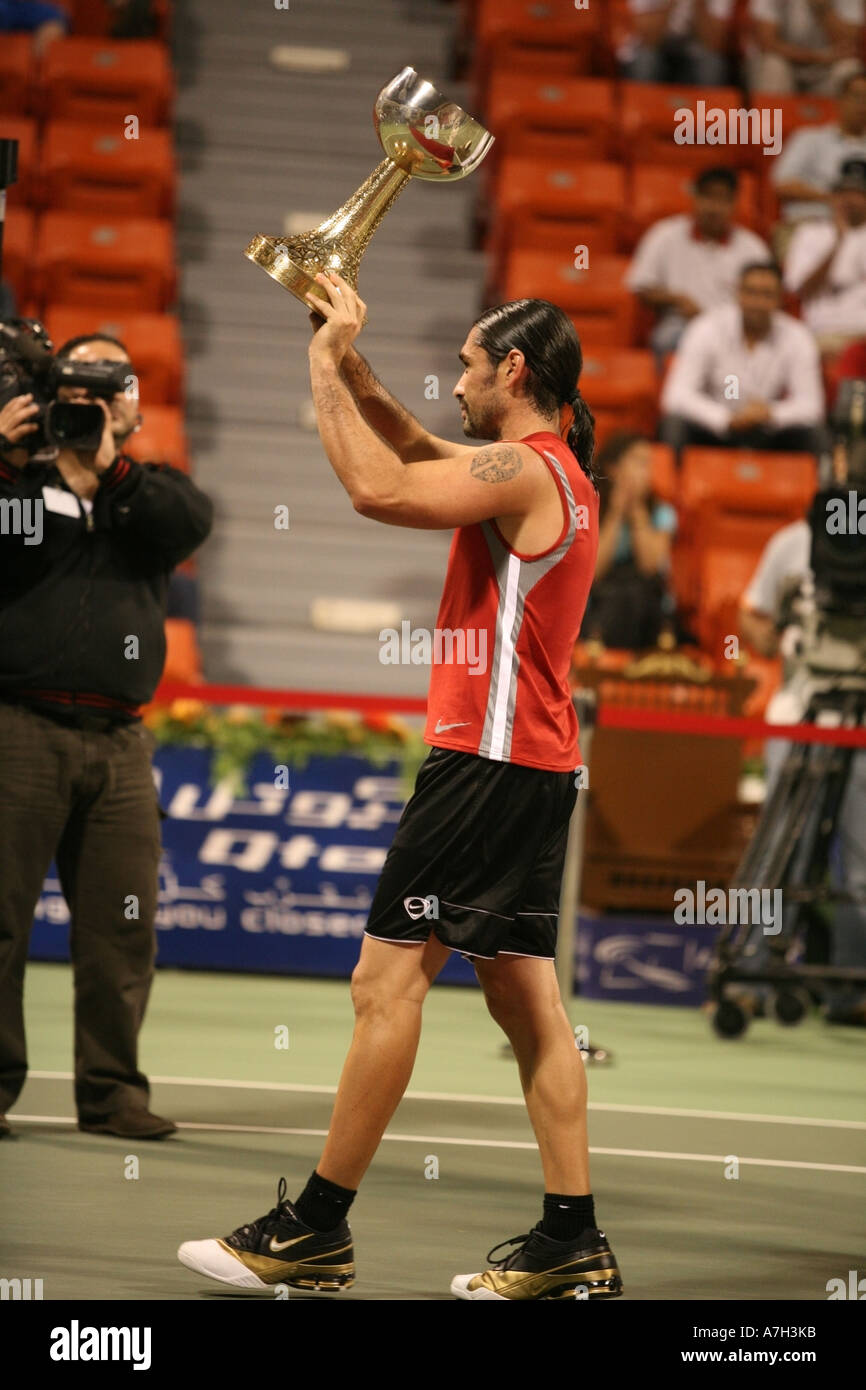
x,y
581,436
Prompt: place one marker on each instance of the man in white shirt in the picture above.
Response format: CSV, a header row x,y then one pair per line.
x,y
678,41
826,264
812,159
766,624
746,375
692,261
804,45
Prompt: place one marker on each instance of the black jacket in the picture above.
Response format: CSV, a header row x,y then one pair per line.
x,y
70,604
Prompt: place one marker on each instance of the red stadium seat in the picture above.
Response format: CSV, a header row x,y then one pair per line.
x,y
736,499
18,242
161,438
649,119
153,341
86,169
599,305
103,81
562,118
746,482
549,36
123,265
555,206
724,576
23,130
661,190
623,382
17,70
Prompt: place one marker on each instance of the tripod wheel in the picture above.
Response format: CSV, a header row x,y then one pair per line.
x,y
790,1006
730,1020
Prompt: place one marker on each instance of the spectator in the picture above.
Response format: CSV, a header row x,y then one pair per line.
x,y
812,159
678,41
804,45
746,374
826,264
45,22
629,603
692,261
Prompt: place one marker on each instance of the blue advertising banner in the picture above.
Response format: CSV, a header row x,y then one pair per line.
x,y
278,880
644,960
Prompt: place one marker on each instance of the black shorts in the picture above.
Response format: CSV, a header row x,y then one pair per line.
x,y
477,858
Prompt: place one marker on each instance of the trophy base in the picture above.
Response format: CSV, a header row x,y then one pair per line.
x,y
272,254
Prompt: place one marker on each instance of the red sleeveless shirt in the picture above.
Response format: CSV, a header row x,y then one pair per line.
x,y
506,630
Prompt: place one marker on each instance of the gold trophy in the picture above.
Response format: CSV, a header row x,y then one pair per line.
x,y
424,137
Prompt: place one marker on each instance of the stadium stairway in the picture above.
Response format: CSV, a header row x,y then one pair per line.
x,y
257,142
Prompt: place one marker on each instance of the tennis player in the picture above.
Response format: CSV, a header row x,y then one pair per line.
x,y
477,859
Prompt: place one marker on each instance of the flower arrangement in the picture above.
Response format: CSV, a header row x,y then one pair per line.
x,y
237,734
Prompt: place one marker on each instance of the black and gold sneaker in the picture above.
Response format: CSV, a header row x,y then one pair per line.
x,y
545,1268
276,1249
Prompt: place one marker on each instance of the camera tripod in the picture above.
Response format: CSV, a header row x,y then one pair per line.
x,y
790,850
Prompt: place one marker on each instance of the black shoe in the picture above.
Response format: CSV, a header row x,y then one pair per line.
x,y
545,1268
130,1124
253,1257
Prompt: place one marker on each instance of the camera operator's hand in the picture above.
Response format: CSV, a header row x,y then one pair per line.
x,y
16,422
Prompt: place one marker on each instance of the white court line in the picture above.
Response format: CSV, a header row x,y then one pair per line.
x,y
470,1099
484,1144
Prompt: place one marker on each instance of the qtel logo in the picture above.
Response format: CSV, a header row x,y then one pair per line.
x,y
423,907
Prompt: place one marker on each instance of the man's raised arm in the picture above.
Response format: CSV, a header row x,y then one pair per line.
x,y
383,413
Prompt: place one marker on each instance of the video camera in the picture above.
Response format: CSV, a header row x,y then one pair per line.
x,y
835,632
28,364
837,518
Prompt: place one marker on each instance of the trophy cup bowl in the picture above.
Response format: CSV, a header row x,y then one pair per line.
x,y
424,136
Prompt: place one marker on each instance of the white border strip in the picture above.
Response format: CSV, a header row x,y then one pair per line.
x,y
483,1144
459,1097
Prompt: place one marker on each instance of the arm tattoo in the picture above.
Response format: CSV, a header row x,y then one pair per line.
x,y
496,464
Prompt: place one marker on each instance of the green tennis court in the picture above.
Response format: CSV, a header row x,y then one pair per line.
x,y
667,1119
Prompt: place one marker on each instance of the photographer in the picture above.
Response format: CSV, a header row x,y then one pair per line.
x,y
770,623
82,647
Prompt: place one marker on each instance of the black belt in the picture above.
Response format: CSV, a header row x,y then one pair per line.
x,y
89,721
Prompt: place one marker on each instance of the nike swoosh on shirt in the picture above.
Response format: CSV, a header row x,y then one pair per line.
x,y
440,727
